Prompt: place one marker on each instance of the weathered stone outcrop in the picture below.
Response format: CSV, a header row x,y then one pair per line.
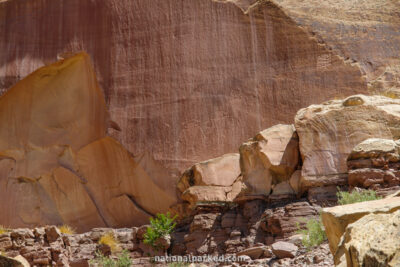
x,y
373,240
56,164
337,219
268,159
186,80
375,164
328,132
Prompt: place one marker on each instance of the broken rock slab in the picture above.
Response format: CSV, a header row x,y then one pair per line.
x,y
283,249
373,240
337,218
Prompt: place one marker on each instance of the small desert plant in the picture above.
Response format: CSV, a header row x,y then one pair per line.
x,y
109,240
160,226
66,229
356,196
102,261
313,234
3,230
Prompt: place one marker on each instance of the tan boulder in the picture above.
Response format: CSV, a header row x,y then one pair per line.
x,y
221,171
269,158
373,240
328,132
336,219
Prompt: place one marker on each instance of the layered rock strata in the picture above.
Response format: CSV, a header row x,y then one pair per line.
x,y
375,164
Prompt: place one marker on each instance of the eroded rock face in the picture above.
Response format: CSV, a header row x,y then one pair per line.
x,y
373,240
186,80
56,164
365,34
328,132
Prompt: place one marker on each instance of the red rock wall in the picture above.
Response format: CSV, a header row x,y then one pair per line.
x,y
186,80
365,33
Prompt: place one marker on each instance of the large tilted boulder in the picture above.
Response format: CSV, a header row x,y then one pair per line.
x,y
328,132
269,158
56,164
214,180
221,171
373,240
336,219
375,164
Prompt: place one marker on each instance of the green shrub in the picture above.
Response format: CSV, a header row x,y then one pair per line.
x,y
160,226
102,261
353,197
313,235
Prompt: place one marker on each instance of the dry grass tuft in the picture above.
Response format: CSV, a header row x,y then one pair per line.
x,y
109,240
66,229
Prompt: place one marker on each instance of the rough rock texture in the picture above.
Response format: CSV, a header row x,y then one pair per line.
x,y
56,164
269,158
364,33
221,171
212,180
328,132
284,249
11,262
375,164
336,219
213,229
284,221
186,80
373,240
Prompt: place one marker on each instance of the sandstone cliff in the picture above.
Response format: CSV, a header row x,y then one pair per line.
x,y
181,76
58,166
364,33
